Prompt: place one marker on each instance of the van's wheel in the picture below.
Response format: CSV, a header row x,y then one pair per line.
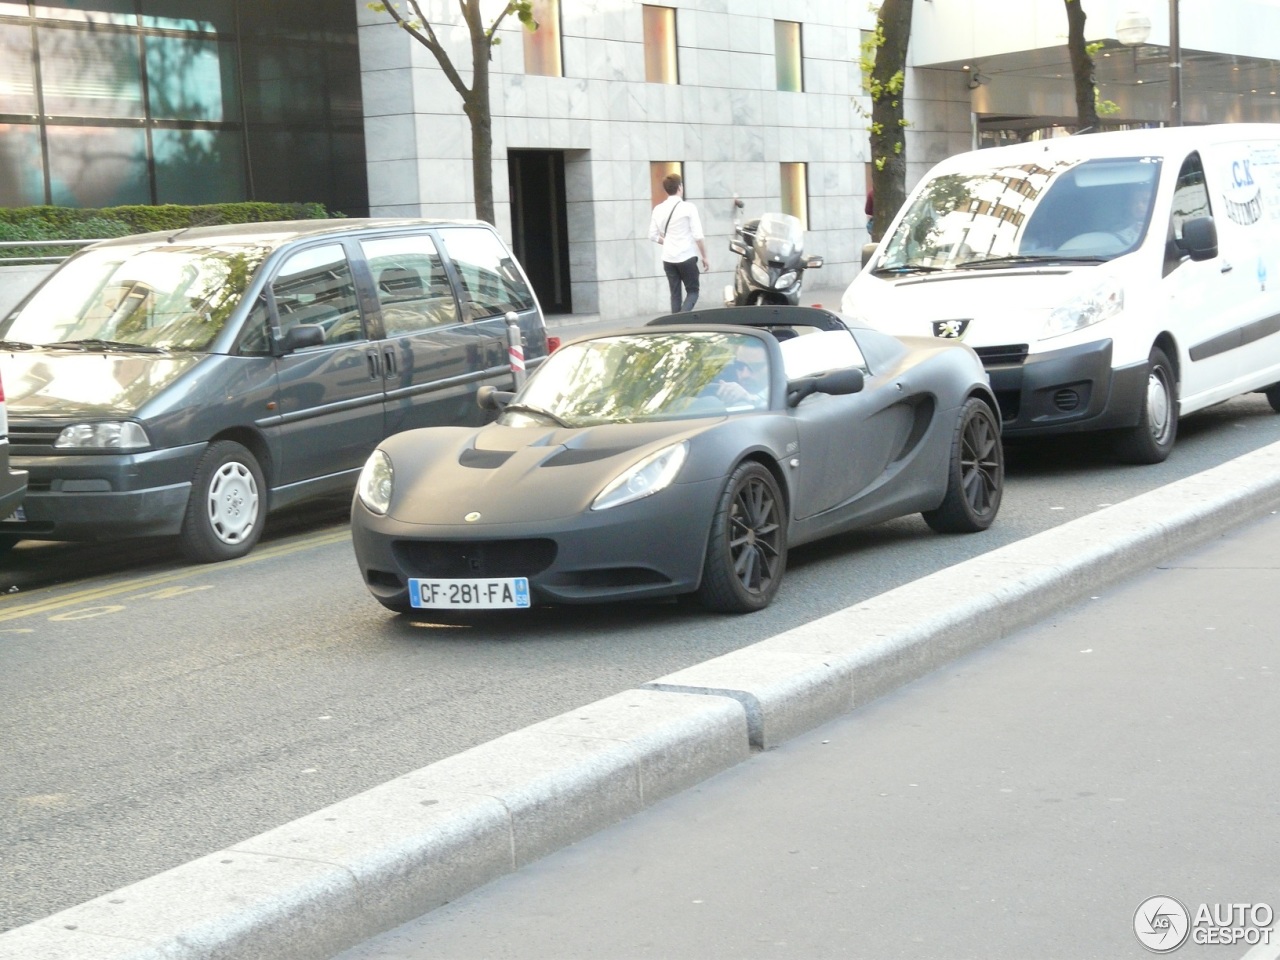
x,y
1152,439
975,475
7,542
225,513
1273,396
747,549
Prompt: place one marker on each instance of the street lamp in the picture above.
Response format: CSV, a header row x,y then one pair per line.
x,y
1133,28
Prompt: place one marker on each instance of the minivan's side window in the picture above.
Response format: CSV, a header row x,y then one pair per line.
x,y
489,276
413,289
315,286
1190,200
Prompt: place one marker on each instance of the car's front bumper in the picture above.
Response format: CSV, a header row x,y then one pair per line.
x,y
649,548
1071,390
106,496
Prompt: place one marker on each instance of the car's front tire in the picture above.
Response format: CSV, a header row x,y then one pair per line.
x,y
1273,396
747,550
226,511
1151,440
975,473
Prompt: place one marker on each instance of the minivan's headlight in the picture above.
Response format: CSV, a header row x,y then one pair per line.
x,y
1104,301
376,482
111,435
655,472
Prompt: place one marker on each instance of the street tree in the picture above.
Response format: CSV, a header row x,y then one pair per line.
x,y
475,98
884,61
1082,69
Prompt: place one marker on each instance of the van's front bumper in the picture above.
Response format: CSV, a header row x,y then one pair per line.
x,y
105,496
1072,390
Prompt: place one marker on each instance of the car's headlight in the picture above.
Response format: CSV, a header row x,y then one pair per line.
x,y
111,435
786,280
760,274
655,472
376,482
1105,300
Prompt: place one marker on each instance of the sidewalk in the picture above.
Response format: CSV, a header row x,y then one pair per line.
x,y
1021,803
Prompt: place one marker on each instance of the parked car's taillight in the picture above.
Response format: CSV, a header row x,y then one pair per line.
x,y
553,344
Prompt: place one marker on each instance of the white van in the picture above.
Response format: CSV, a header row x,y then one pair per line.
x,y
1110,281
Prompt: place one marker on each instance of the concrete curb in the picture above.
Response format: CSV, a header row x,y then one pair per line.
x,y
314,887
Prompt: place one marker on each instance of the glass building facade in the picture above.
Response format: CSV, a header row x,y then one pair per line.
x,y
106,102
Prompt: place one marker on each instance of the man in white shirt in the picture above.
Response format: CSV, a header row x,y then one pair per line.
x,y
675,224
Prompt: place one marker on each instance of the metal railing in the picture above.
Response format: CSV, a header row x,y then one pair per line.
x,y
19,260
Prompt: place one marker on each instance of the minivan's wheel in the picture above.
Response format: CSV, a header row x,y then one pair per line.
x,y
747,549
1152,439
975,475
1273,396
225,513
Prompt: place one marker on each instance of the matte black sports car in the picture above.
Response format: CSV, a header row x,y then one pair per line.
x,y
685,456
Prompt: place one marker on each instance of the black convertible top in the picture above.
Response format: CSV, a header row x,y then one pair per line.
x,y
766,316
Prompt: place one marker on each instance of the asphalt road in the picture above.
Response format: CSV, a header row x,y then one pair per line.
x,y
157,712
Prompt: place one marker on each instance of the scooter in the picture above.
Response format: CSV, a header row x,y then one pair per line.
x,y
771,262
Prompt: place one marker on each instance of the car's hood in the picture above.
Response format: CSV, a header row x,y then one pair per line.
x,y
517,474
75,384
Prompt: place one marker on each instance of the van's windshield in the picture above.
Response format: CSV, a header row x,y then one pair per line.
x,y
1092,210
169,297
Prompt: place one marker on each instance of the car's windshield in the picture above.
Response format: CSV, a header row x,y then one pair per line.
x,y
634,377
170,297
1071,210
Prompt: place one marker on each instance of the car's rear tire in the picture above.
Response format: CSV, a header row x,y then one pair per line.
x,y
747,549
1152,439
8,542
975,473
226,511
1273,396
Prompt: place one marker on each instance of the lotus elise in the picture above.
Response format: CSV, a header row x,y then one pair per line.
x,y
682,457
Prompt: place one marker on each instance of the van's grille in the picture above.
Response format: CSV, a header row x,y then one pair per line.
x,y
1006,355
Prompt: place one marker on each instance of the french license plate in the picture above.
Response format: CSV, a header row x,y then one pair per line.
x,y
494,594
18,516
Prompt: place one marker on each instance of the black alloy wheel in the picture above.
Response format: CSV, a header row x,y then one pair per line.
x,y
747,549
975,481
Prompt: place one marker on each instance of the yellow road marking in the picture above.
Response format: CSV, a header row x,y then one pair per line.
x,y
37,607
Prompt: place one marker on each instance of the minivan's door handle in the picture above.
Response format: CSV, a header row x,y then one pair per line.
x,y
389,358
375,368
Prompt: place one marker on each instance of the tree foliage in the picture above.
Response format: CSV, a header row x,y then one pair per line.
x,y
475,98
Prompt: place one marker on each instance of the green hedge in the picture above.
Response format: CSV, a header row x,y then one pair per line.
x,y
75,223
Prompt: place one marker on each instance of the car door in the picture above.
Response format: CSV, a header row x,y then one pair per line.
x,y
330,401
846,442
433,361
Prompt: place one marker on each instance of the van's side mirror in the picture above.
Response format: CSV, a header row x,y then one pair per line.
x,y
490,397
300,336
868,251
1199,238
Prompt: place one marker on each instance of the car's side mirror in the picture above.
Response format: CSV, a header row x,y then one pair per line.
x,y
813,263
1199,238
834,382
302,335
490,397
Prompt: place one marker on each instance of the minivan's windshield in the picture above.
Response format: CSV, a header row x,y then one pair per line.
x,y
153,298
1071,210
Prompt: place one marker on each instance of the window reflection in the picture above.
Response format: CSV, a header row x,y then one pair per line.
x,y
198,166
97,166
191,79
795,192
490,277
660,45
89,74
542,46
21,172
97,11
787,55
17,78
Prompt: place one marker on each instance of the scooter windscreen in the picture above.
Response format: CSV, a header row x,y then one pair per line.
x,y
779,238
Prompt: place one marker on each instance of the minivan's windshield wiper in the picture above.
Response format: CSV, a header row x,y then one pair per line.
x,y
908,268
1015,259
114,346
537,411
15,345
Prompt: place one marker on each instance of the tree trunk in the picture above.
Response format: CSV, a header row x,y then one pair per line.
x,y
1082,69
888,132
479,111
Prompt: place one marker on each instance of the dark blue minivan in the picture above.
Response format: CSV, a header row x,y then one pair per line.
x,y
186,383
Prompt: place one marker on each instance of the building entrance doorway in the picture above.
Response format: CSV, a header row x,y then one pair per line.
x,y
540,224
